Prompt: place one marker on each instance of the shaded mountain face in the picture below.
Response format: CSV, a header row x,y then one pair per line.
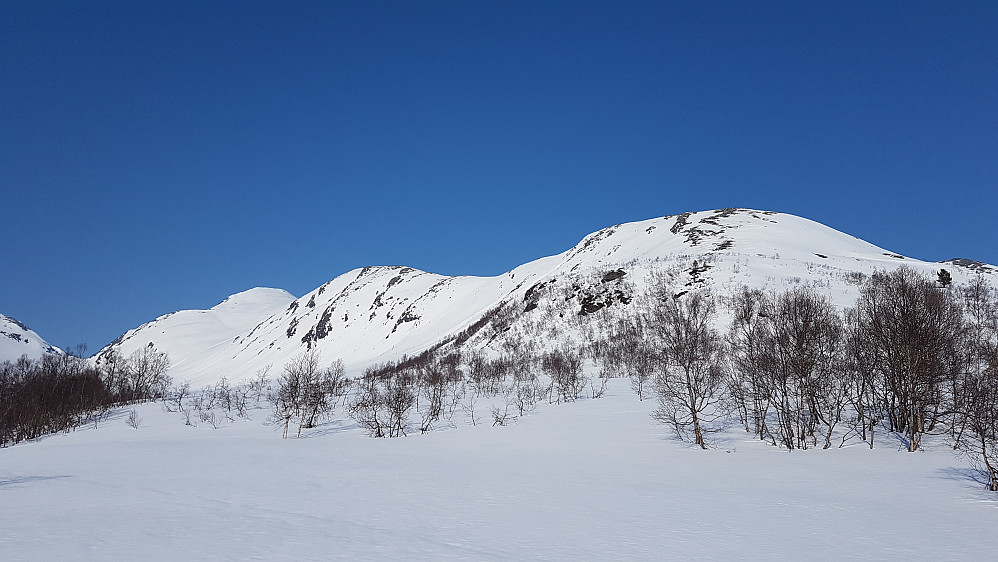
x,y
16,340
379,314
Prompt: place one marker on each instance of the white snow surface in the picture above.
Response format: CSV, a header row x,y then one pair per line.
x,y
16,340
377,314
195,336
589,480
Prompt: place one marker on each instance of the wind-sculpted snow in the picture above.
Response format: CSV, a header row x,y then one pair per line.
x,y
16,340
377,314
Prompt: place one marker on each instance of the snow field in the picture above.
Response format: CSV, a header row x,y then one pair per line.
x,y
594,480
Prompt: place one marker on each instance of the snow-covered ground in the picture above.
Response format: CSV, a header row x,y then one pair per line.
x,y
594,480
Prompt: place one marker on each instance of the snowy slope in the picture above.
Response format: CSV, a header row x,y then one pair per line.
x,y
377,314
193,336
590,480
16,340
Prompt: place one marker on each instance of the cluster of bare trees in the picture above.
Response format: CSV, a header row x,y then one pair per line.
x,y
975,426
215,404
927,360
307,392
61,392
433,386
384,399
564,368
140,376
789,380
913,355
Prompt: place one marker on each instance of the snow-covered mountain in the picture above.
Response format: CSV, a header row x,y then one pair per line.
x,y
193,338
377,314
16,340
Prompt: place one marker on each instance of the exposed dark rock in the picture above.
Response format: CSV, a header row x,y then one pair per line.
x,y
595,297
972,265
681,221
695,234
595,301
378,303
613,275
15,337
533,295
320,330
407,316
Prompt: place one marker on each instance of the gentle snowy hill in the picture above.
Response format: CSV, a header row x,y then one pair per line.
x,y
377,314
16,340
193,337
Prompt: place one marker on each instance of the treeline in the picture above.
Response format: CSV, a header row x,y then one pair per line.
x,y
419,393
62,392
914,355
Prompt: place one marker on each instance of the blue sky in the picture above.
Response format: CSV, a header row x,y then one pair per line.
x,y
161,158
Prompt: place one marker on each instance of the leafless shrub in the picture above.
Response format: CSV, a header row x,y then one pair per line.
x,y
133,421
469,408
180,394
600,391
501,415
261,382
305,392
209,417
564,366
383,403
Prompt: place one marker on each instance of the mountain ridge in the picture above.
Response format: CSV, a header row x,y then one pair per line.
x,y
380,313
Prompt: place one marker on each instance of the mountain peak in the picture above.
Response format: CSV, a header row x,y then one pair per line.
x,y
379,313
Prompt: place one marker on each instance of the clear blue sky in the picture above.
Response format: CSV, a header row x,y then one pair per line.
x,y
162,158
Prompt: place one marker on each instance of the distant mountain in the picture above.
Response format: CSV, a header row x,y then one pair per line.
x,y
16,340
377,314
